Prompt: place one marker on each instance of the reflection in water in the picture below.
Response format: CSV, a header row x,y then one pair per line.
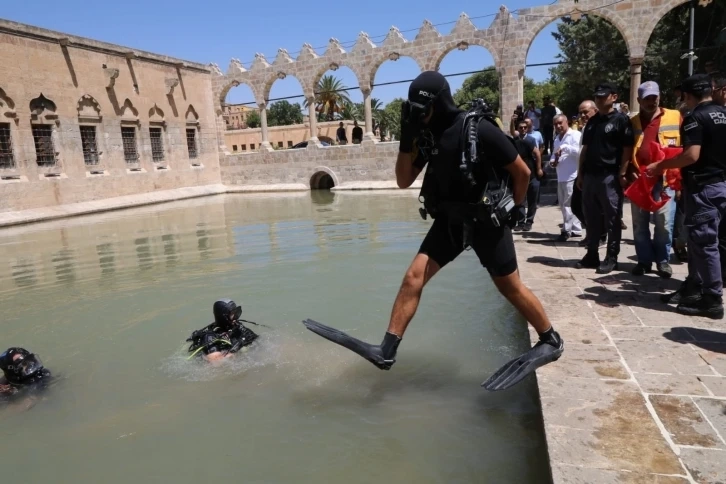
x,y
170,249
106,259
127,390
23,272
322,197
143,253
203,242
64,268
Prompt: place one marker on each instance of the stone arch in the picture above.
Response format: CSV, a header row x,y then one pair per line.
x,y
156,114
334,66
88,107
535,25
233,82
650,22
40,105
7,105
378,62
280,75
454,44
191,115
128,111
323,178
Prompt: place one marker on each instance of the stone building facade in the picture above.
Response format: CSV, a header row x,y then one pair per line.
x,y
56,83
83,120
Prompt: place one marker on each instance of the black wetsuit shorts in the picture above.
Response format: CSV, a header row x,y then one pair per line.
x,y
493,245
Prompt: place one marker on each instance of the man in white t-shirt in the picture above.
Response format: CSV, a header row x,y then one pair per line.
x,y
566,158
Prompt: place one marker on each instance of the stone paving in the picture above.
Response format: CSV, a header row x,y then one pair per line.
x,y
639,394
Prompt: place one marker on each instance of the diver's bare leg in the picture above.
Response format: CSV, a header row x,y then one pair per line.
x,y
421,270
528,305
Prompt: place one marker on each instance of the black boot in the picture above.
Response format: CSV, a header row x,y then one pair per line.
x,y
686,293
608,265
590,261
708,305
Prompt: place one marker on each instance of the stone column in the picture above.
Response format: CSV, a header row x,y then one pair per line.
x,y
511,80
368,115
312,116
263,127
636,65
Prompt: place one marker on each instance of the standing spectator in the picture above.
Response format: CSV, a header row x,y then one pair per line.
x,y
532,157
357,133
566,153
607,147
703,164
534,115
340,135
653,124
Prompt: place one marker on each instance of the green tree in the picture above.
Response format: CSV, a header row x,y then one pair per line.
x,y
482,85
592,50
391,117
351,112
282,113
330,97
253,119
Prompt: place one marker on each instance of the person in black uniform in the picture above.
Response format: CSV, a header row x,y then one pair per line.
x,y
607,146
24,375
435,132
703,167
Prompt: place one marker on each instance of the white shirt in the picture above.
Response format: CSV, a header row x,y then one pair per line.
x,y
570,155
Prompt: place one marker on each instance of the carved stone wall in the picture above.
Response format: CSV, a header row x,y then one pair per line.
x,y
62,83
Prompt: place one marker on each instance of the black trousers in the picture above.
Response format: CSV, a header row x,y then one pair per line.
x,y
548,135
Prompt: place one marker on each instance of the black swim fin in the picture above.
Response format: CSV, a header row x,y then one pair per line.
x,y
548,349
383,355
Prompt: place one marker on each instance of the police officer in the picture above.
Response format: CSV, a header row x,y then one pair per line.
x,y
607,146
703,167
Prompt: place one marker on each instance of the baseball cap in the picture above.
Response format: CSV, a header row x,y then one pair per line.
x,y
605,88
426,87
697,84
648,88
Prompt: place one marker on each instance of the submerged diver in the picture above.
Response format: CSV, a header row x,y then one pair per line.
x,y
225,336
22,370
467,191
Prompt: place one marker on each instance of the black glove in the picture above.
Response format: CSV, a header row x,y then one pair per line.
x,y
511,222
407,132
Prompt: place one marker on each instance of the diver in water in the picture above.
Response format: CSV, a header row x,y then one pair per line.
x,y
22,370
225,336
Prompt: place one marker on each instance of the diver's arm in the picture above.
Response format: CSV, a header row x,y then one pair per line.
x,y
520,173
406,170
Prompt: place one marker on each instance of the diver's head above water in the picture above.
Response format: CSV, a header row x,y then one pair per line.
x,y
430,104
21,366
226,312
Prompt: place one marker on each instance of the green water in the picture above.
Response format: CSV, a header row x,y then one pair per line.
x,y
107,301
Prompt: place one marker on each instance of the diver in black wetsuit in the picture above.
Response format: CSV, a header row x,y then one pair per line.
x,y
22,371
225,336
473,185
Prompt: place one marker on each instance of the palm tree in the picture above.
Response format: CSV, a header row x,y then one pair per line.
x,y
330,96
350,111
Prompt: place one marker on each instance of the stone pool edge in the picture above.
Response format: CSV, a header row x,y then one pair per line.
x,y
30,216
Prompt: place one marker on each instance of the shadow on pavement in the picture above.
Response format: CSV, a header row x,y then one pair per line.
x,y
703,338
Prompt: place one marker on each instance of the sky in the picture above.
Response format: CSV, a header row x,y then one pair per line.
x,y
218,30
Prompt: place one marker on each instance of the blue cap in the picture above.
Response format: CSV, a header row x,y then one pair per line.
x,y
648,88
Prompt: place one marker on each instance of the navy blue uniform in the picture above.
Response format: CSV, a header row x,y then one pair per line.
x,y
526,147
705,194
606,136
